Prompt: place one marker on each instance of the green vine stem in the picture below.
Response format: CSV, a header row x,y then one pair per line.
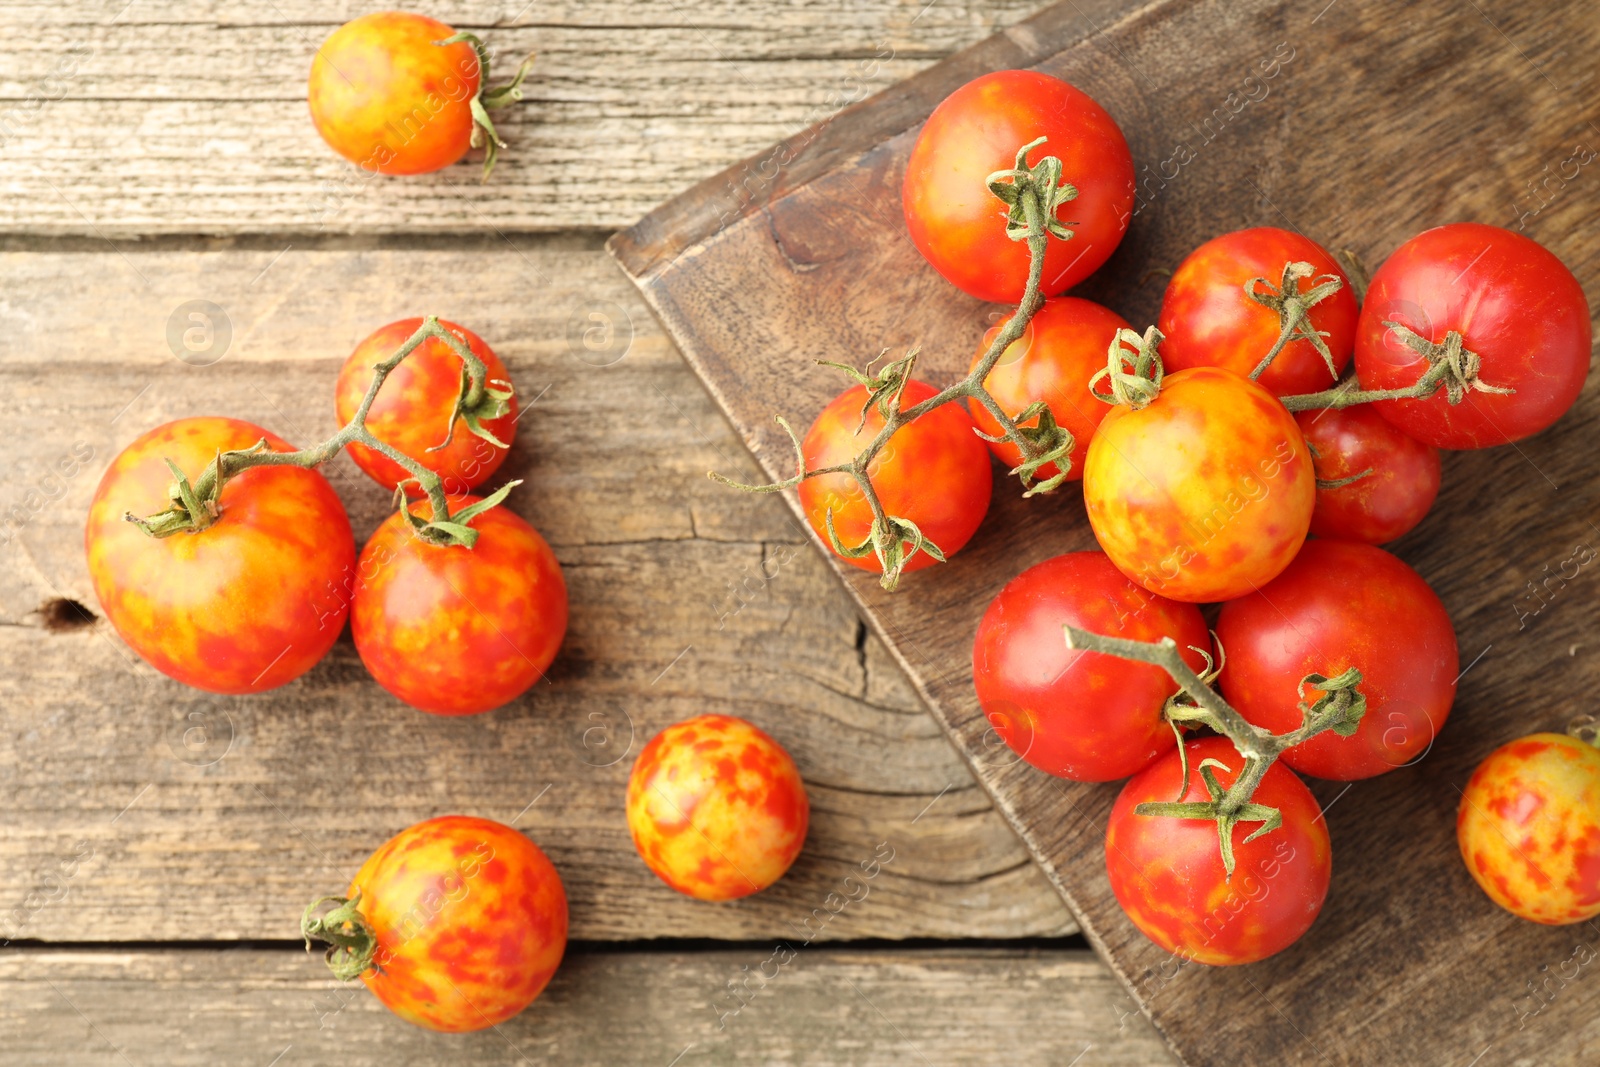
x,y
1293,307
1451,366
351,941
483,131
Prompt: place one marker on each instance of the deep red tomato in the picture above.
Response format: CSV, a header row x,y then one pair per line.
x,y
1210,322
1342,604
934,472
1529,828
1205,493
1388,502
1168,875
1081,715
1513,303
455,630
960,226
1063,347
412,410
716,808
246,604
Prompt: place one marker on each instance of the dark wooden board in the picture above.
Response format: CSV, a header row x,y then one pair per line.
x,y
1387,120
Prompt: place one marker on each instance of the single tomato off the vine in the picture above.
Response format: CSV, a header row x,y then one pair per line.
x,y
1383,505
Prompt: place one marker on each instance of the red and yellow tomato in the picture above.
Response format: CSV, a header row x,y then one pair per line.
x,y
1383,505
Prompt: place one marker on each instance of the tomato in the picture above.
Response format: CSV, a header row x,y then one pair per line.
x,y
1203,494
960,226
1342,604
1385,504
412,409
1063,346
1529,828
244,605
1513,303
456,630
1210,322
1081,715
934,472
1168,875
716,808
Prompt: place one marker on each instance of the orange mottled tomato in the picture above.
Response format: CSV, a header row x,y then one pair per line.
x,y
1203,494
1168,874
470,918
248,603
717,808
412,410
1529,828
456,630
1386,503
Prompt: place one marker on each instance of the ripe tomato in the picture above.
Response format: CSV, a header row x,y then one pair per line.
x,y
1205,493
1513,303
1529,828
1342,604
1168,875
1063,347
1081,715
412,410
1388,502
246,604
935,472
960,226
716,808
455,630
1210,322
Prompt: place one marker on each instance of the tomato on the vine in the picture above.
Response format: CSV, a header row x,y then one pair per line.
x,y
1378,507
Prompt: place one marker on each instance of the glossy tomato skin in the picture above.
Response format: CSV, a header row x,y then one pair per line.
x,y
1387,503
388,99
1063,347
245,605
1210,322
1513,302
453,630
1168,876
716,808
1529,828
934,472
471,920
1204,494
1343,604
412,409
959,225
1080,715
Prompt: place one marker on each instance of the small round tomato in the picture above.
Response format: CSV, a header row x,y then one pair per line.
x,y
1081,715
1383,505
960,226
1529,828
934,472
249,602
1063,347
456,630
412,409
1203,494
1169,877
1210,322
716,808
1342,604
1512,302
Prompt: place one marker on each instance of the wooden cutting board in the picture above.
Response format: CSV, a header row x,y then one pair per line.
x,y
1381,120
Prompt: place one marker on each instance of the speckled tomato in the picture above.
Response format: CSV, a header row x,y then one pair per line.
x,y
388,99
1203,494
1529,828
1388,502
960,226
1080,715
412,410
1063,347
1343,604
470,918
456,630
716,808
246,604
1168,876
